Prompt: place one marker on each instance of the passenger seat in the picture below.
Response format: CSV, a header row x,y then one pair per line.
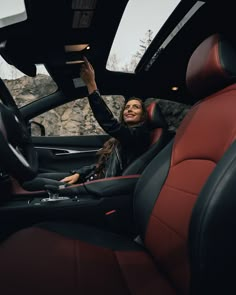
x,y
160,136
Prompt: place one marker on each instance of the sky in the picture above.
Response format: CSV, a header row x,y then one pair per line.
x,y
141,16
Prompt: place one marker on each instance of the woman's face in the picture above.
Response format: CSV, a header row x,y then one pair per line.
x,y
133,112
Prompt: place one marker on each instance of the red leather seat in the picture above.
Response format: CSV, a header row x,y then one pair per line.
x,y
160,136
184,206
156,122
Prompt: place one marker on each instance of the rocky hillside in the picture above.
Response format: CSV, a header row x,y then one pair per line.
x,y
76,118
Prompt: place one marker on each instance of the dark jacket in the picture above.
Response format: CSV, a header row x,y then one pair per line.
x,y
133,141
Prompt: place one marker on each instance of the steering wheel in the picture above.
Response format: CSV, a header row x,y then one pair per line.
x,y
17,154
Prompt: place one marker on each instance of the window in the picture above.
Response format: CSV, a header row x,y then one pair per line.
x,y
76,118
25,89
140,23
173,111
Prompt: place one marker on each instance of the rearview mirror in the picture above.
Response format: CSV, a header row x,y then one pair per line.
x,y
36,129
13,57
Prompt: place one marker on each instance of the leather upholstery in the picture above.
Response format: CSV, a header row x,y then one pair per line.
x,y
211,67
189,189
155,117
201,140
156,122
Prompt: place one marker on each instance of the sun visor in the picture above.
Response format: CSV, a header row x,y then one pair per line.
x,y
28,69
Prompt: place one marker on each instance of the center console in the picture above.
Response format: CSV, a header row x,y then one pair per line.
x,y
107,203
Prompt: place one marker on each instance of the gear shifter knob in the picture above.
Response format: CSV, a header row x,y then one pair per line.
x,y
53,193
52,188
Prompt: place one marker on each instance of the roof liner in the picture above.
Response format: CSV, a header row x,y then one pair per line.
x,y
41,39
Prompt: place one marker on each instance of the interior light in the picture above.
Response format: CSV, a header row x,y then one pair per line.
x,y
174,88
76,47
74,62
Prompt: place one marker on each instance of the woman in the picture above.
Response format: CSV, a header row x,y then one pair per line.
x,y
130,136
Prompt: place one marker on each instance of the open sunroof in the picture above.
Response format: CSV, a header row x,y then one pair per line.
x,y
140,23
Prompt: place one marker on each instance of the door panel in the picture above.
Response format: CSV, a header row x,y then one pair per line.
x,y
65,153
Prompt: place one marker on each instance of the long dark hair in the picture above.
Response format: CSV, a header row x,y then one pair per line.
x,y
111,143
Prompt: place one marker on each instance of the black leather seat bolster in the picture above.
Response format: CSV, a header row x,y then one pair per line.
x,y
212,229
147,191
91,235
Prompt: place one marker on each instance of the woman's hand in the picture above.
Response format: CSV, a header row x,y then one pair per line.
x,y
71,179
87,74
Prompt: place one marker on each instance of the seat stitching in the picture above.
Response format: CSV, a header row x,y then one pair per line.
x,y
194,159
181,190
168,226
122,274
76,253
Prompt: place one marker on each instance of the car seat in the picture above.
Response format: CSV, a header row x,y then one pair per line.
x,y
184,206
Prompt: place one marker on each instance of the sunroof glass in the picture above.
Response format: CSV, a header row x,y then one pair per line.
x,y
140,23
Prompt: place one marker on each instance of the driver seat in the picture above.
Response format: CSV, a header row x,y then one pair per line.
x,y
184,206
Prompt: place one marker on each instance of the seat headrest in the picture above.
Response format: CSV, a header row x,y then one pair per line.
x,y
211,67
155,118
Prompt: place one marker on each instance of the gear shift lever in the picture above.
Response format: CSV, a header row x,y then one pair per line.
x,y
53,193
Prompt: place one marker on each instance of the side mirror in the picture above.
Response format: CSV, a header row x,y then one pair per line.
x,y
36,129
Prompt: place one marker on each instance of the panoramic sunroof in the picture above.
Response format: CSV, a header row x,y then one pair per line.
x,y
12,12
140,23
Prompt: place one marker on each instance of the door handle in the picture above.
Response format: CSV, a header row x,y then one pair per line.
x,y
65,152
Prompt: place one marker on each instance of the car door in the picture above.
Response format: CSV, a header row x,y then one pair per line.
x,y
67,137
66,153
63,130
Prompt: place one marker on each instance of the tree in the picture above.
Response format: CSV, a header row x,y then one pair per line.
x,y
113,63
144,44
